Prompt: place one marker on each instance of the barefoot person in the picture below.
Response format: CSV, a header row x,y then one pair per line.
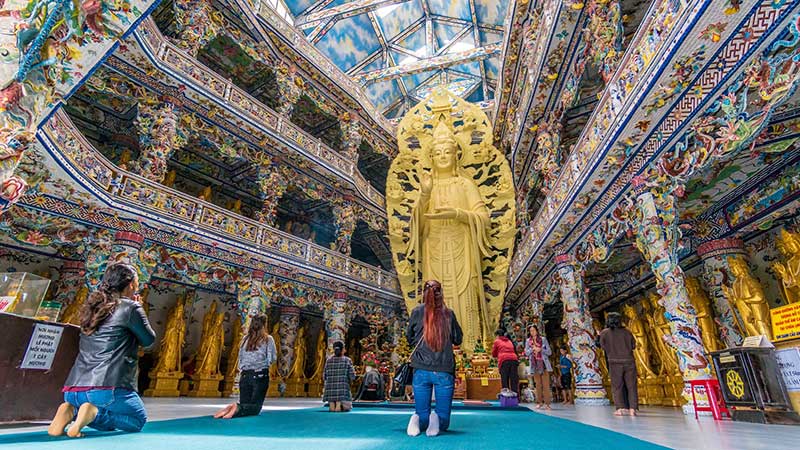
x,y
256,353
338,374
618,344
434,326
100,391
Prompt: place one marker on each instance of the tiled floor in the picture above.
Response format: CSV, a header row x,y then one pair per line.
x,y
664,426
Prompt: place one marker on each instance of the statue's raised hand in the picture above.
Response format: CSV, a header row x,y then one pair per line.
x,y
426,183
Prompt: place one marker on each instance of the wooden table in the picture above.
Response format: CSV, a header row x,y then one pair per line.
x,y
476,391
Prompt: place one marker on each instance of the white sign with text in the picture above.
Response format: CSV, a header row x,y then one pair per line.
x,y
789,365
42,348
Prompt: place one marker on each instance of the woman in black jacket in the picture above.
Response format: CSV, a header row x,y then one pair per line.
x,y
100,391
434,329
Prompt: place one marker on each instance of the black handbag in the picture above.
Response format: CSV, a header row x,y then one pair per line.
x,y
404,375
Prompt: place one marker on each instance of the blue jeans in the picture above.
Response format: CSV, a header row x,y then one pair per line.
x,y
426,382
117,409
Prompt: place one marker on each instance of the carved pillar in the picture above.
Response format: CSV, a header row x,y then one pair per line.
x,y
336,322
656,238
251,297
71,280
715,273
272,185
290,322
352,133
589,388
126,247
344,216
157,125
290,86
196,23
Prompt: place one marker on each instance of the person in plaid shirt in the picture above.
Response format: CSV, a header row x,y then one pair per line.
x,y
338,375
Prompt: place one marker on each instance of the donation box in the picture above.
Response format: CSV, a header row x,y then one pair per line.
x,y
753,386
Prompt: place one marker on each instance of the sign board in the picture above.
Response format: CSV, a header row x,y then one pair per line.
x,y
786,322
789,365
757,341
42,348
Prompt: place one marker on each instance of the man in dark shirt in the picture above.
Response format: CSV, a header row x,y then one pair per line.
x,y
618,344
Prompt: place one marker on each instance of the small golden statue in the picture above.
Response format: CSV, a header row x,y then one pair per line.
x,y
274,372
169,179
169,356
124,159
72,311
789,271
661,330
748,298
315,386
642,351
207,377
236,206
705,315
450,206
233,358
205,194
296,376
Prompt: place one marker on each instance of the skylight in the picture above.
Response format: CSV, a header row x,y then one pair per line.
x,y
460,47
383,12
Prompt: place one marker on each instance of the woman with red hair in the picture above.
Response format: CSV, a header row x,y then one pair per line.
x,y
435,330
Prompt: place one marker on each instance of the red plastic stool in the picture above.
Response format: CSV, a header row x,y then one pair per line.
x,y
716,404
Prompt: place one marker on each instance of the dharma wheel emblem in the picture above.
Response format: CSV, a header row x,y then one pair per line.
x,y
735,383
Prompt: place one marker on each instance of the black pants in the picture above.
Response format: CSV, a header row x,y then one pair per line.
x,y
252,390
509,375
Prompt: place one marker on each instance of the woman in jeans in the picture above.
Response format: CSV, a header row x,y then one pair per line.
x,y
434,330
100,391
338,374
507,360
538,351
256,353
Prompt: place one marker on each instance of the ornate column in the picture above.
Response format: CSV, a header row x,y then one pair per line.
x,y
197,24
126,247
344,216
272,185
715,273
290,86
336,322
157,125
290,321
352,133
589,388
657,239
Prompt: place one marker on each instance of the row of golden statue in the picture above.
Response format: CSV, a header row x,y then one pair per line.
x,y
168,378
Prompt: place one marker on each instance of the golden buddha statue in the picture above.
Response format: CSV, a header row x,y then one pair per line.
x,y
236,206
661,330
233,356
789,271
298,365
601,358
205,194
124,158
72,311
705,315
169,355
321,356
642,351
212,344
274,372
169,179
449,219
748,298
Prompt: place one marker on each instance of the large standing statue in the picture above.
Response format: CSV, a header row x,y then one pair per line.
x,y
298,366
642,351
320,356
746,294
71,313
661,330
214,343
789,271
169,355
450,205
705,315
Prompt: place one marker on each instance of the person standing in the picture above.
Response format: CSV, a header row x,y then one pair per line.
x,y
618,344
538,351
256,353
435,328
565,364
338,375
507,360
100,391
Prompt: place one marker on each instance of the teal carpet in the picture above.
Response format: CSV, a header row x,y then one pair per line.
x,y
362,428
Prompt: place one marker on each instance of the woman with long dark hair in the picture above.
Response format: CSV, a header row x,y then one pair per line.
x,y
338,374
618,344
256,353
100,391
538,351
434,329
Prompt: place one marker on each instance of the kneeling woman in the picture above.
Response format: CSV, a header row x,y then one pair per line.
x,y
100,391
256,354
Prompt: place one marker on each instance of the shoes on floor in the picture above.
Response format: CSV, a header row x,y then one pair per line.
x,y
433,425
413,426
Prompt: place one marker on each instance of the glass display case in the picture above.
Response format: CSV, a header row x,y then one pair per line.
x,y
22,293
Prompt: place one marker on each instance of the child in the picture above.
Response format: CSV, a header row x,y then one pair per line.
x,y
565,364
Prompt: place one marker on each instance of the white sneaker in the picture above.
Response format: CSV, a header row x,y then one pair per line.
x,y
433,425
413,426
